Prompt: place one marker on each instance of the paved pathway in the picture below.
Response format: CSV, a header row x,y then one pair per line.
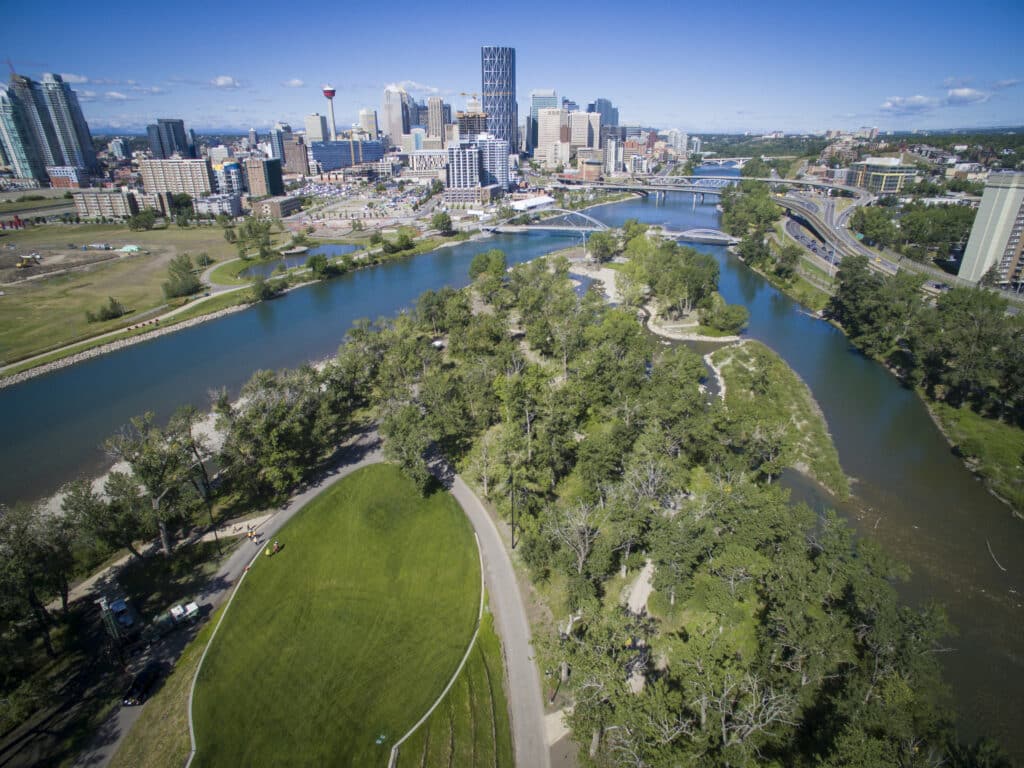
x,y
526,704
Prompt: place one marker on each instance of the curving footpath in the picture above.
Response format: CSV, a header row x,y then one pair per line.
x,y
526,704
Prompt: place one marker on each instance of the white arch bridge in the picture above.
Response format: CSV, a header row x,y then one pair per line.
x,y
563,221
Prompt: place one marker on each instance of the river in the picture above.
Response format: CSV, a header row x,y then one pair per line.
x,y
911,493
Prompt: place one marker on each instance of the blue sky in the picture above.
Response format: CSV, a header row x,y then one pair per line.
x,y
705,66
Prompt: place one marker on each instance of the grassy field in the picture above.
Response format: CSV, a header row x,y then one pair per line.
x,y
471,726
993,449
759,380
42,314
347,636
13,206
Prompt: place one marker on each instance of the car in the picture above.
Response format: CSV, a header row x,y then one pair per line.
x,y
142,684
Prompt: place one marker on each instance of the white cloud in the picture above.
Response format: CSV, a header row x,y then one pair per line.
x,y
1008,83
115,96
412,85
909,105
70,77
955,82
293,83
961,97
150,90
225,81
86,95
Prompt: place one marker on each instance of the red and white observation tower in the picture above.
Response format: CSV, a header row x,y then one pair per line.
x,y
329,94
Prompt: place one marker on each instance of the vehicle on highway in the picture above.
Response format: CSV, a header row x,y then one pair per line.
x,y
142,684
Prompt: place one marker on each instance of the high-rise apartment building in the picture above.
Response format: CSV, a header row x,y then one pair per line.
x,y
296,156
253,139
44,126
997,237
464,166
19,139
70,129
368,123
264,177
316,128
228,178
120,149
498,89
177,176
609,113
167,138
540,99
494,154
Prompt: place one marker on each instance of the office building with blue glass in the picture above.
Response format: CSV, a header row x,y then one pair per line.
x,y
498,91
332,155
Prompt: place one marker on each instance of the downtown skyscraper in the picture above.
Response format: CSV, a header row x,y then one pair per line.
x,y
498,89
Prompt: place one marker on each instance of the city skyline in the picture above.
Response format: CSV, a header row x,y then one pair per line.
x,y
741,67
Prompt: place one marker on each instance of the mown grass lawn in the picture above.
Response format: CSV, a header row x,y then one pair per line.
x,y
471,726
345,637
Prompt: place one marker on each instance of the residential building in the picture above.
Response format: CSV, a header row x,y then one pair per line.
x,y
106,204
253,139
344,153
20,145
464,166
997,237
316,128
368,123
428,160
228,178
584,129
882,175
40,130
540,99
177,176
70,129
264,177
493,153
677,140
167,138
612,156
498,89
214,205
120,149
276,207
609,113
67,176
471,195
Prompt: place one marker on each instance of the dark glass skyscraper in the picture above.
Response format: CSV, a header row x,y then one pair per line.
x,y
167,138
609,113
498,88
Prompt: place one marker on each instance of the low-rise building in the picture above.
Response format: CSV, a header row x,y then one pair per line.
x,y
471,195
276,207
67,176
882,175
106,204
213,205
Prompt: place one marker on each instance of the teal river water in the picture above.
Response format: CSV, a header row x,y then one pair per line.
x,y
911,493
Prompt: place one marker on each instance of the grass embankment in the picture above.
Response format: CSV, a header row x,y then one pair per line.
x,y
43,314
759,385
991,448
471,726
347,636
160,737
34,205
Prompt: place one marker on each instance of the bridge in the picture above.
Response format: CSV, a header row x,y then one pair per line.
x,y
712,236
739,162
563,221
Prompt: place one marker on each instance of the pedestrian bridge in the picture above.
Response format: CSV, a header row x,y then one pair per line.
x,y
563,221
712,236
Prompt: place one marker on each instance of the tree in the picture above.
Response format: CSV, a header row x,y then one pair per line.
x,y
182,279
116,523
144,219
442,222
602,246
406,440
319,266
875,224
160,462
22,567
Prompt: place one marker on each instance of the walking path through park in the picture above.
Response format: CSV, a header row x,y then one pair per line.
x,y
524,692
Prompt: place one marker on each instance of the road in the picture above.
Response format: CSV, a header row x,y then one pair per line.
x,y
526,705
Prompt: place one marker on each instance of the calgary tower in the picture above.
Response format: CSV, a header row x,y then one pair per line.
x,y
329,93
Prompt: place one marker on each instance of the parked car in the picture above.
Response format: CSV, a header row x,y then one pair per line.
x,y
142,684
